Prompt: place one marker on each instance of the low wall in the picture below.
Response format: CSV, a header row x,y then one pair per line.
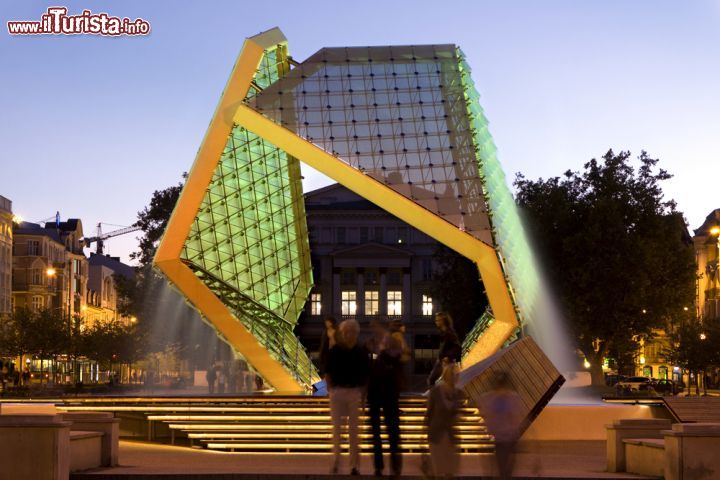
x,y
585,422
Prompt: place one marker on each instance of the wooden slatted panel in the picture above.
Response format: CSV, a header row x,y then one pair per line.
x,y
533,375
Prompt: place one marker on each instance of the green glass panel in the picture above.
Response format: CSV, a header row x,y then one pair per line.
x,y
508,233
252,211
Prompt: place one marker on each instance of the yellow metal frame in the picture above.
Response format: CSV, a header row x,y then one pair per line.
x,y
232,111
484,256
168,255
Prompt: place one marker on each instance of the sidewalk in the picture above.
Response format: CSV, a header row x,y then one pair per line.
x,y
145,461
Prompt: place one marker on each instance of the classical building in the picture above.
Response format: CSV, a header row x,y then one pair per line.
x,y
102,297
49,267
707,254
368,264
6,242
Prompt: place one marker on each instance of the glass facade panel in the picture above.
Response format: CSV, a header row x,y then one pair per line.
x,y
249,241
398,114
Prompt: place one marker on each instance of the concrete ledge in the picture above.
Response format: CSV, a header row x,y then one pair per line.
x,y
692,451
103,423
85,450
625,428
645,456
585,422
34,447
28,409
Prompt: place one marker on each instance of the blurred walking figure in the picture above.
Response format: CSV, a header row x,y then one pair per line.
x,y
443,405
450,348
327,342
211,376
383,397
347,373
502,410
397,331
221,378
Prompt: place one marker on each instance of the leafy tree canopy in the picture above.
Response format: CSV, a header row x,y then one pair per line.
x,y
617,253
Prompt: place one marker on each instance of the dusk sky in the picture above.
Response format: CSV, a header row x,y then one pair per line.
x,y
90,126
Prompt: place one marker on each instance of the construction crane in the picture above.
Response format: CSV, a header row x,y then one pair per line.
x,y
100,237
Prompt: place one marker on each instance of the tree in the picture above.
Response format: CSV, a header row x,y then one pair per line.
x,y
153,219
458,288
693,347
617,253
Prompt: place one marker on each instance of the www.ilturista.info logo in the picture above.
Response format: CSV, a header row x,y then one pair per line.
x,y
56,21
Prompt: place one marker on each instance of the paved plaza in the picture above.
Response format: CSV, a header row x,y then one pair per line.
x,y
566,460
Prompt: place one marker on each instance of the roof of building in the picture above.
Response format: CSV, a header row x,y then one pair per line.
x,y
712,220
113,263
5,204
29,228
336,197
69,225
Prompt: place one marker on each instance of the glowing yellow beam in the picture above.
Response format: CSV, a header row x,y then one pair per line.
x,y
291,427
484,256
167,258
325,446
287,418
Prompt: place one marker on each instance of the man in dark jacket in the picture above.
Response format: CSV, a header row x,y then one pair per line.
x,y
347,373
383,397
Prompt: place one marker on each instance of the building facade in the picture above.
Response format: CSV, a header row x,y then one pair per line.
x,y
368,265
707,255
102,297
6,242
50,269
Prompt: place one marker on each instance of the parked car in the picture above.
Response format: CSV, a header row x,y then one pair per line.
x,y
665,386
612,379
635,384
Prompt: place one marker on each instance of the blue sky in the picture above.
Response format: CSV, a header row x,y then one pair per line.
x,y
90,126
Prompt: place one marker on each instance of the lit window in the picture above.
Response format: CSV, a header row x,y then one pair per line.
x,y
38,303
427,305
394,302
33,248
372,302
348,303
315,304
36,276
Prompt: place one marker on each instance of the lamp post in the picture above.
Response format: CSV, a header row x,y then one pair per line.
x,y
51,272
